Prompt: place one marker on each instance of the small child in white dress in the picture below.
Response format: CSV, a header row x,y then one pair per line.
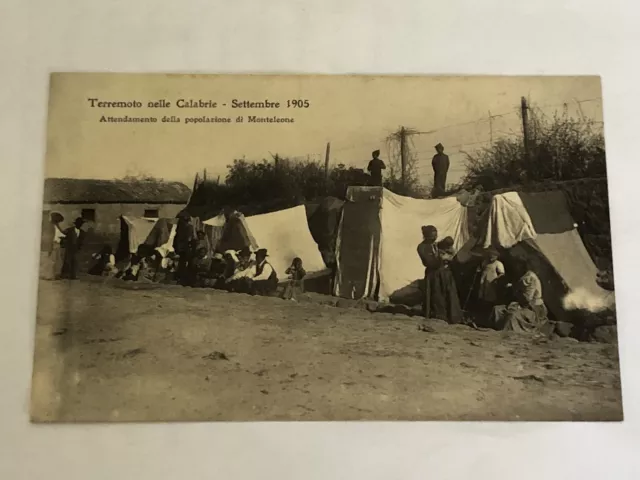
x,y
492,271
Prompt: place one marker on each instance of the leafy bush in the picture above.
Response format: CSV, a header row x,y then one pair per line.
x,y
561,148
260,187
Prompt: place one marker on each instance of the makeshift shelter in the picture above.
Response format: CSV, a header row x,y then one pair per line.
x,y
378,237
539,227
323,222
157,233
229,233
285,234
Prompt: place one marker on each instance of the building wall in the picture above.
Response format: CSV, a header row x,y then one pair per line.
x,y
107,218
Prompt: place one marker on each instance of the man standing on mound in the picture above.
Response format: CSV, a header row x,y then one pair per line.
x,y
440,164
375,169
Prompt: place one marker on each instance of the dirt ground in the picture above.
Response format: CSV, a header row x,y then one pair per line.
x,y
108,353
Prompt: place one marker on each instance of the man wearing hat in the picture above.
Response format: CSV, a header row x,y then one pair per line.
x,y
240,280
440,165
73,239
265,279
375,168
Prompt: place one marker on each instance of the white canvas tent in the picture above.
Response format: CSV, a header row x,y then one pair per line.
x,y
285,234
539,227
137,231
378,239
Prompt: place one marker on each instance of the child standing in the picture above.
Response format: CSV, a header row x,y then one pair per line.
x,y
295,285
492,271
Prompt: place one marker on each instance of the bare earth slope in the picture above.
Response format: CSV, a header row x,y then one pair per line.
x,y
105,353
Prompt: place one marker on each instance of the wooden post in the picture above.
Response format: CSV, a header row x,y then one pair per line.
x,y
525,125
326,161
490,127
403,156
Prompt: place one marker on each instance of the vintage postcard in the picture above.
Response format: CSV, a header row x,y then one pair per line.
x,y
263,247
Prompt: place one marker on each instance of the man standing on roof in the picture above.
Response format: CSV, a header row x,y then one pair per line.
x,y
440,165
375,168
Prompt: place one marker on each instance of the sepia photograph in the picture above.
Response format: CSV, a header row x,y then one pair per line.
x,y
325,248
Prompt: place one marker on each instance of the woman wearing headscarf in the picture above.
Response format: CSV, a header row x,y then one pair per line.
x,y
54,266
528,313
240,280
440,293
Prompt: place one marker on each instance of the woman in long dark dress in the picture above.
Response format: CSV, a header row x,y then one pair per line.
x,y
440,293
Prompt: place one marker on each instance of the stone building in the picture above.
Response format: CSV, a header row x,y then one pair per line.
x,y
101,202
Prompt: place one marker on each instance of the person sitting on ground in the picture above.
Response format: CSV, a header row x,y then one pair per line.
x,y
202,241
240,281
132,270
491,273
265,279
170,263
230,260
295,285
528,313
245,259
105,263
201,269
217,271
218,265
149,266
165,271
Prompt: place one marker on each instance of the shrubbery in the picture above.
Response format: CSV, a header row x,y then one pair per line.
x,y
259,187
561,148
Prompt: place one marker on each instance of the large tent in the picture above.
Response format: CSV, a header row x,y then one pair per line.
x,y
378,237
324,221
229,233
157,233
379,233
285,234
539,227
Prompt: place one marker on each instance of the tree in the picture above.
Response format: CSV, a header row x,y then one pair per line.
x,y
561,148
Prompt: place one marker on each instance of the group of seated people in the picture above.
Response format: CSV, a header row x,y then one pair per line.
x,y
517,306
240,271
499,303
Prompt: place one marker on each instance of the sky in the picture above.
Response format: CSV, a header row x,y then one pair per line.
x,y
354,113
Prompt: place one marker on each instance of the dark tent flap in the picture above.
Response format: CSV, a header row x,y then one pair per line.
x,y
549,211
